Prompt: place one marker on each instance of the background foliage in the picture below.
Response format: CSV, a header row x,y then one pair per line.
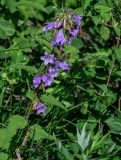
x,y
83,119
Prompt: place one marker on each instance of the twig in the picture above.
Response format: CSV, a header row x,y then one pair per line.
x,y
25,138
108,80
18,154
119,104
113,64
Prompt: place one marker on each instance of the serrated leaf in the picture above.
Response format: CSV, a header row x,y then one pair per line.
x,y
114,124
4,53
118,73
86,4
49,99
103,87
7,28
96,19
105,32
79,11
101,8
11,4
17,122
118,52
5,139
31,69
38,133
30,94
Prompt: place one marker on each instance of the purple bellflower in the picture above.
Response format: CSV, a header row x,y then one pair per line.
x,y
53,72
77,19
36,81
72,35
52,25
59,40
40,108
62,65
47,58
49,26
47,80
74,32
58,24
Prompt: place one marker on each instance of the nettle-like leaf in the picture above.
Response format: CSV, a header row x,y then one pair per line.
x,y
4,53
6,134
5,138
6,29
49,99
30,9
118,52
86,4
11,4
37,133
114,123
102,7
31,95
17,122
105,32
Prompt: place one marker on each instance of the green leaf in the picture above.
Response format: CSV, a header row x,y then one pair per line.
x,y
4,53
17,122
79,11
5,138
11,4
49,99
70,2
83,138
30,9
118,52
6,134
98,142
103,87
118,73
31,4
96,19
74,147
105,16
30,94
38,133
102,8
31,69
3,156
86,4
2,96
66,153
114,124
105,32
63,152
7,28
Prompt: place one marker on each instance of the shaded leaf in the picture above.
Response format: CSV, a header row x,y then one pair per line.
x,y
49,99
7,28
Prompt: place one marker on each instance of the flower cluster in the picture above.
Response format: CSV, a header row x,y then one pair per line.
x,y
54,67
62,35
59,40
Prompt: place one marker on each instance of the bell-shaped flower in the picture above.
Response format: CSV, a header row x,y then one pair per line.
x,y
59,39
